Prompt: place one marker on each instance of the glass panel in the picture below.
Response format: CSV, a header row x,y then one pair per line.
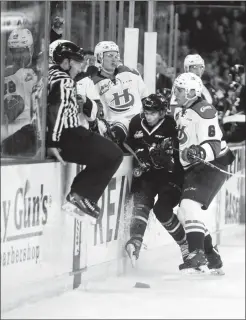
x,y
81,23
23,39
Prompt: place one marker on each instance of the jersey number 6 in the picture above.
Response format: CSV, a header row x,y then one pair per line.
x,y
211,131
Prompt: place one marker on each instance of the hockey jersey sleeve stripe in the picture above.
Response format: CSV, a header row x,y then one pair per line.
x,y
60,115
122,126
212,148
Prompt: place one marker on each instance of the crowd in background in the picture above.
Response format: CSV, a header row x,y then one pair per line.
x,y
219,36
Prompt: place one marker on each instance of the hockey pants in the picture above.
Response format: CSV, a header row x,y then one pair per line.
x,y
101,157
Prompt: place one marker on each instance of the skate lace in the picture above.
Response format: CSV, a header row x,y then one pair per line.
x,y
191,255
184,249
89,205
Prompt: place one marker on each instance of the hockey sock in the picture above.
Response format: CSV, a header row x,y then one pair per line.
x,y
208,243
195,234
175,229
139,221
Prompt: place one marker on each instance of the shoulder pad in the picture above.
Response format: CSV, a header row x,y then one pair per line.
x,y
127,69
136,118
97,78
55,70
171,120
80,76
204,110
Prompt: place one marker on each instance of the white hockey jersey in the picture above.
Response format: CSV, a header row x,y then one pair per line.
x,y
198,125
121,97
17,97
85,87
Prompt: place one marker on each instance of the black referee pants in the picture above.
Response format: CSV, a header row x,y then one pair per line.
x,y
101,156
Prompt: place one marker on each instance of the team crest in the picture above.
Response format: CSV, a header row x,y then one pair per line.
x,y
138,134
122,102
182,136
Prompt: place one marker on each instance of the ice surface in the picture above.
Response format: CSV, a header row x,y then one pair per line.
x,y
171,295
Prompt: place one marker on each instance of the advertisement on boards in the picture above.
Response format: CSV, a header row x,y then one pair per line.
x,y
101,242
231,198
30,222
107,235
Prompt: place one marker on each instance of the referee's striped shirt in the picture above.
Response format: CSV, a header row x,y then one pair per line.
x,y
63,110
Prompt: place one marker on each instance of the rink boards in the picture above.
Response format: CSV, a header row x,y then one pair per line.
x,y
44,251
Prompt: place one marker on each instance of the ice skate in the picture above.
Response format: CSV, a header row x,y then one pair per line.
x,y
214,262
196,262
81,207
184,248
132,248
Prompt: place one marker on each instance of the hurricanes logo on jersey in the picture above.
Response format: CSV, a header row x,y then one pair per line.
x,y
182,136
122,102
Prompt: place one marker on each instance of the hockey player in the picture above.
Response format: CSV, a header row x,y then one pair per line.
x,y
152,135
199,140
120,88
68,141
19,80
19,138
195,64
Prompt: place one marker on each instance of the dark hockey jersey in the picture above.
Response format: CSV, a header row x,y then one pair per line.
x,y
145,138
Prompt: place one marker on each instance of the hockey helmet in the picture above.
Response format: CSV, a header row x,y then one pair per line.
x,y
155,102
52,47
189,81
101,48
20,44
20,38
193,60
67,50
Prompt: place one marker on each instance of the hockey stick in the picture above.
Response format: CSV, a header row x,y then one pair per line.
x,y
128,148
212,165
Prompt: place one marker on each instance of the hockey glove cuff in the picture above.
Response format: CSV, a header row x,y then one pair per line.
x,y
119,132
192,154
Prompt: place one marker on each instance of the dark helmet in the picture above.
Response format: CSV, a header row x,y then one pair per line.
x,y
155,102
68,50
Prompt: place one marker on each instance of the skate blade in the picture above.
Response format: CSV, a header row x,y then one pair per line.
x,y
74,212
203,270
200,270
130,250
217,272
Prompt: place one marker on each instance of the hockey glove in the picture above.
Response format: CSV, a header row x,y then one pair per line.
x,y
166,146
193,153
161,154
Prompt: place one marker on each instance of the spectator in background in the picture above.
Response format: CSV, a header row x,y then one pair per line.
x,y
162,81
234,120
90,60
57,28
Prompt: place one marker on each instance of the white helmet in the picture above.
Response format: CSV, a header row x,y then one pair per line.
x,y
189,81
52,47
191,60
20,38
101,48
